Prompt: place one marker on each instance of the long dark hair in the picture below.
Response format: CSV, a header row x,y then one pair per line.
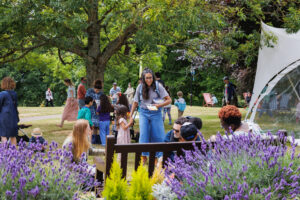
x,y
98,84
168,90
121,112
68,81
123,101
146,88
106,107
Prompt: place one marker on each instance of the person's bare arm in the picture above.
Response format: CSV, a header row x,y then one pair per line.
x,y
134,106
167,101
125,127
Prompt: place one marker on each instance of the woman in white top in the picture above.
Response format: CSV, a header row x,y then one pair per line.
x,y
230,118
130,94
71,108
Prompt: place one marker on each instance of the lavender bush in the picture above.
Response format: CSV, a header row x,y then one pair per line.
x,y
242,168
27,173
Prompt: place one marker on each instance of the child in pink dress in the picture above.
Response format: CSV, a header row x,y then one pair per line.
x,y
122,125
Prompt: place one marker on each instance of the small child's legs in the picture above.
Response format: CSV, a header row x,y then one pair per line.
x,y
180,113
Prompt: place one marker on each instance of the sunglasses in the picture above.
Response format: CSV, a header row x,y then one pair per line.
x,y
176,131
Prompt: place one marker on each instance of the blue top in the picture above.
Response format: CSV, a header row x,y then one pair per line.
x,y
96,97
8,114
180,103
103,116
71,88
85,113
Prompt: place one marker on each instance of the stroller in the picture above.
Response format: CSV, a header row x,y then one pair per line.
x,y
22,135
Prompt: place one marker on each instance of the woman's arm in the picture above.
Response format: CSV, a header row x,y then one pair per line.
x,y
167,101
125,127
134,106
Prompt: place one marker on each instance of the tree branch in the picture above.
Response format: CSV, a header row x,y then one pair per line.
x,y
26,51
115,45
62,60
54,43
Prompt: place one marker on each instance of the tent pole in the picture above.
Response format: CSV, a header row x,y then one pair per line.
x,y
293,87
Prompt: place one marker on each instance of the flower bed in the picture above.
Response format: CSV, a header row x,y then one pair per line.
x,y
27,173
242,168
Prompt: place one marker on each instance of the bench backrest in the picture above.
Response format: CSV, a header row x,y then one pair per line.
x,y
152,148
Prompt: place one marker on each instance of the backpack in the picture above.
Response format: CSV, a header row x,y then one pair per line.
x,y
156,90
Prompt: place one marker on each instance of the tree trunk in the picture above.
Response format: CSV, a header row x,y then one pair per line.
x,y
94,72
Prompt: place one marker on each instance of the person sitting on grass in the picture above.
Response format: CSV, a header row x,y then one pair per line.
x,y
37,138
196,121
188,132
231,120
183,131
79,142
85,112
174,134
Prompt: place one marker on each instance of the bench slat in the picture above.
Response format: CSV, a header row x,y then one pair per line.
x,y
124,157
151,163
137,160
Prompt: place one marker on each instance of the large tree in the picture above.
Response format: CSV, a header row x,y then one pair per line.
x,y
92,30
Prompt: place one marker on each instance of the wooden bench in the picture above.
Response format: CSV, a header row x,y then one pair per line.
x,y
167,148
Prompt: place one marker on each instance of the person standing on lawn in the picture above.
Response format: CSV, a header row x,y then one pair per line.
x,y
180,104
81,92
152,96
9,115
130,94
85,112
167,109
230,97
95,93
71,108
49,97
114,92
104,111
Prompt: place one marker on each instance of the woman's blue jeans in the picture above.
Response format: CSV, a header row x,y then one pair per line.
x,y
151,128
104,131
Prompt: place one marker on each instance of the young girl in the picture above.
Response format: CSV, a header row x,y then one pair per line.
x,y
79,139
104,117
122,125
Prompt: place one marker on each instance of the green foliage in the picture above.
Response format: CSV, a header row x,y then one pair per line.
x,y
35,74
141,185
115,186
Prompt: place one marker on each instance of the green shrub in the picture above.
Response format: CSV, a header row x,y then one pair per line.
x,y
115,186
141,186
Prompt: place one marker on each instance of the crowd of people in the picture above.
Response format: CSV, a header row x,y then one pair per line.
x,y
95,112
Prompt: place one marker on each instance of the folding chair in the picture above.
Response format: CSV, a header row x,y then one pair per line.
x,y
207,99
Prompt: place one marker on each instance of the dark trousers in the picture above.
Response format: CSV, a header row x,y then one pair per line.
x,y
47,102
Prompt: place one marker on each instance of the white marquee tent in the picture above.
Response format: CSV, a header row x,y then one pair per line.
x,y
274,63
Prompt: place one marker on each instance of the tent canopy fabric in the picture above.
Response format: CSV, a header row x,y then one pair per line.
x,y
274,62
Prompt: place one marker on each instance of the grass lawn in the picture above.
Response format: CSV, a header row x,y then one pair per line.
x,y
209,116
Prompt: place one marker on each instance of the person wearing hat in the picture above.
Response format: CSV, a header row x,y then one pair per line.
x,y
230,97
114,91
188,132
37,137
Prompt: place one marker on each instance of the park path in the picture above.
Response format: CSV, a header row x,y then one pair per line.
x,y
36,118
